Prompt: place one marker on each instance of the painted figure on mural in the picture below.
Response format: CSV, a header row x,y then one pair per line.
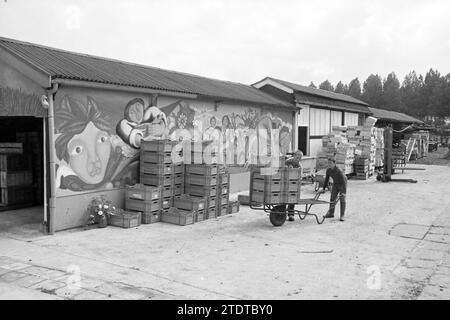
x,y
285,140
213,132
87,148
141,123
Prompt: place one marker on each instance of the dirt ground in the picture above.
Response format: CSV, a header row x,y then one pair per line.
x,y
440,157
394,244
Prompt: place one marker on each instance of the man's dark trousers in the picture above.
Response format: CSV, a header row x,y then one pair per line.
x,y
335,190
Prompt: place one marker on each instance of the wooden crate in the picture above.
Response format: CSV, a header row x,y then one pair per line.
x,y
142,192
178,178
15,178
187,202
222,200
201,180
158,145
151,217
179,217
156,180
143,206
211,213
200,215
222,210
125,219
177,190
17,195
224,178
200,191
201,169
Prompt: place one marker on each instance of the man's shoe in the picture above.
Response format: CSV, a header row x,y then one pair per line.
x,y
291,218
341,218
328,215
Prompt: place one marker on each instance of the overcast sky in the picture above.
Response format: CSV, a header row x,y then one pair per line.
x,y
246,40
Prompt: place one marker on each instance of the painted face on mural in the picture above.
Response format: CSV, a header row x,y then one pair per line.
x,y
89,154
135,112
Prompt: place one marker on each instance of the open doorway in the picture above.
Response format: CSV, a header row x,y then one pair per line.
x,y
22,174
303,139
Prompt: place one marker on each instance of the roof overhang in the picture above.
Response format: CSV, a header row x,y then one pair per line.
x,y
275,84
23,66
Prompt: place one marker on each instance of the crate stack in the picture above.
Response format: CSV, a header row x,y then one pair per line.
x,y
280,186
146,200
345,157
367,146
201,181
189,205
379,153
16,177
330,145
361,168
223,191
160,167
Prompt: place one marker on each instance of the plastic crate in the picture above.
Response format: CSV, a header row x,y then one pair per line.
x,y
200,215
292,185
222,200
267,198
291,173
151,217
200,191
142,192
158,145
233,207
178,168
125,219
223,189
157,169
292,197
167,191
156,157
224,178
267,185
178,178
187,202
177,190
179,217
222,210
156,180
166,203
201,169
200,180
211,213
143,206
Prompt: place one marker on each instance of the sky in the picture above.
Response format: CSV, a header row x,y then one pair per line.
x,y
246,40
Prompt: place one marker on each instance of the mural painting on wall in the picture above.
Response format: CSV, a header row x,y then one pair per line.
x,y
96,153
16,102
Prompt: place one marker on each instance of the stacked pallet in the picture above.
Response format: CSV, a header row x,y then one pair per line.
x,y
379,153
282,186
16,177
361,165
223,192
330,145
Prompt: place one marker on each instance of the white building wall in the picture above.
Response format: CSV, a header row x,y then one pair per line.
x,y
319,122
303,117
315,145
336,118
351,119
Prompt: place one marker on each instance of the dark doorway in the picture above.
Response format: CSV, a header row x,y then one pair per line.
x,y
303,139
22,183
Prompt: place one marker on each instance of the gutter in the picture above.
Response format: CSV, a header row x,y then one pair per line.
x,y
51,140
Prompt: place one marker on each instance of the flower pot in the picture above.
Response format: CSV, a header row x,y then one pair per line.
x,y
102,222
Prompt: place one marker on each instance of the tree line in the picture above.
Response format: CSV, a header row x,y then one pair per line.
x,y
417,96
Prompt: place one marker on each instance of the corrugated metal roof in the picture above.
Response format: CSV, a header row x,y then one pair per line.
x,y
333,104
393,116
320,92
60,64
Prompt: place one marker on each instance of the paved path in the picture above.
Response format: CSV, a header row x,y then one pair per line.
x,y
394,244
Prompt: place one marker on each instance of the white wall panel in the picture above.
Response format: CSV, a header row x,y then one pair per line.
x,y
315,145
336,118
351,119
319,122
303,117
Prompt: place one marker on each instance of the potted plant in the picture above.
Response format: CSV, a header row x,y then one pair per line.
x,y
100,209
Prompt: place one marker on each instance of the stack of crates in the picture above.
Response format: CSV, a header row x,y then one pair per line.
x,y
361,168
16,179
223,192
201,182
187,204
144,199
280,186
158,168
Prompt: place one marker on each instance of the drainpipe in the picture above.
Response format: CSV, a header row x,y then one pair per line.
x,y
51,142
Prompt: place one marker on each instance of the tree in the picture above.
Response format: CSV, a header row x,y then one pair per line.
x,y
326,85
373,91
340,88
312,85
432,92
411,99
354,88
391,93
